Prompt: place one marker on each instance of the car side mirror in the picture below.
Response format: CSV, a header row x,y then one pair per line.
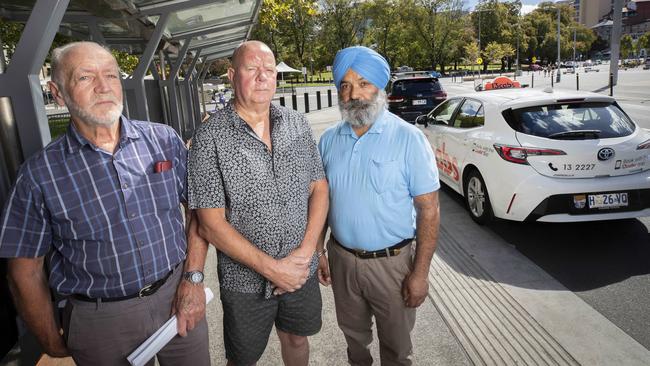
x,y
422,120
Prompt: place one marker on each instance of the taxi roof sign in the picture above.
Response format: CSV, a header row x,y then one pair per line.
x,y
502,82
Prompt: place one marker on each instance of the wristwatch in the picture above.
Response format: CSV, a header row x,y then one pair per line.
x,y
194,277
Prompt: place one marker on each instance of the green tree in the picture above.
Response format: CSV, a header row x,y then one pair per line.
x,y
540,27
300,28
498,23
436,26
387,30
644,41
127,62
627,46
10,33
342,24
273,14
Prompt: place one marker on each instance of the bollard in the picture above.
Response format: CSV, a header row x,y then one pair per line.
x,y
306,102
551,79
294,102
282,101
532,81
329,97
318,106
611,84
577,82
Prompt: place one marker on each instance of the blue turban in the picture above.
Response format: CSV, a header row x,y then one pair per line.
x,y
365,62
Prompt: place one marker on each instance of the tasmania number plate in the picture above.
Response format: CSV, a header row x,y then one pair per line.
x,y
607,200
419,102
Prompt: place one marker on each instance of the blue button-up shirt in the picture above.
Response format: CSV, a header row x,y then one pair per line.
x,y
109,223
373,179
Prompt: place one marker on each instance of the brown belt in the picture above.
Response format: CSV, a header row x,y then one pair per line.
x,y
144,292
386,252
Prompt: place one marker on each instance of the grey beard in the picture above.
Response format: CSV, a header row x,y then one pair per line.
x,y
360,113
107,120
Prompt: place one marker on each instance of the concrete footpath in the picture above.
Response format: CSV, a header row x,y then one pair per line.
x,y
487,305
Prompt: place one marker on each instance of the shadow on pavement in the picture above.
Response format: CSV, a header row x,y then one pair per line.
x,y
581,256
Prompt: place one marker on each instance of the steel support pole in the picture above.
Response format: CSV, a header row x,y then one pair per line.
x,y
190,75
138,107
162,87
10,149
199,83
95,33
176,120
615,41
558,46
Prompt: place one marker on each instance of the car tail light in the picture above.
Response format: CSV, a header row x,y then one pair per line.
x,y
644,145
519,155
392,99
441,96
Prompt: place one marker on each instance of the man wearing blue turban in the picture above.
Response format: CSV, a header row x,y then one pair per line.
x,y
383,192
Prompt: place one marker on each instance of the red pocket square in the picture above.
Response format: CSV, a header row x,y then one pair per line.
x,y
162,166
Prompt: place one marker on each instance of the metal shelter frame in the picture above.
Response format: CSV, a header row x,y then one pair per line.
x,y
161,32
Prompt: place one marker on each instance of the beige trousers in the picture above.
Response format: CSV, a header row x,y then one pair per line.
x,y
364,288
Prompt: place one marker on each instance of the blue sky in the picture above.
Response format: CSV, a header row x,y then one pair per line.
x,y
529,5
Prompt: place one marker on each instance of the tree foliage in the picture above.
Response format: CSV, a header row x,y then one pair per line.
x,y
627,46
10,33
644,41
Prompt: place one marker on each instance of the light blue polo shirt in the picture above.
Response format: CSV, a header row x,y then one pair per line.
x,y
373,179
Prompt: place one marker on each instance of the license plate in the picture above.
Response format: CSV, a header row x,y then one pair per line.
x,y
419,102
607,200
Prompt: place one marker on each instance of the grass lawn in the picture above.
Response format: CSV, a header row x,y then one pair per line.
x,y
58,126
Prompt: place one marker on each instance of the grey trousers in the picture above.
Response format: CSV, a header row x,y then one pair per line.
x,y
364,288
106,333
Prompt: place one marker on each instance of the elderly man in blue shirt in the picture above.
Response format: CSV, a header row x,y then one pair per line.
x,y
101,206
383,193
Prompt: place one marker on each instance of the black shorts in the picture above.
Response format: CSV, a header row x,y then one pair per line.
x,y
249,318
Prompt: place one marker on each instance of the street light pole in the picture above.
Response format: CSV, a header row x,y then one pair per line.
x,y
479,33
574,46
558,46
518,35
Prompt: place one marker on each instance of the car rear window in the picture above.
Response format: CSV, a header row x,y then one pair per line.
x,y
571,121
413,87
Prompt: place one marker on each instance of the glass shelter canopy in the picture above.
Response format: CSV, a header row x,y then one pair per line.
x,y
128,24
182,37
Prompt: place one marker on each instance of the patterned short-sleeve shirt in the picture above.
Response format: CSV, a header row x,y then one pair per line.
x,y
265,192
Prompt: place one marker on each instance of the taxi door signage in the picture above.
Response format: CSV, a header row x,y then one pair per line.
x,y
447,164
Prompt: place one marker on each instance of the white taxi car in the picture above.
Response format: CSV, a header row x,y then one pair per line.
x,y
533,155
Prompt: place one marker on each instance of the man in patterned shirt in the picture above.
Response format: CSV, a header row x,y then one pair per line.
x,y
384,183
256,180
103,203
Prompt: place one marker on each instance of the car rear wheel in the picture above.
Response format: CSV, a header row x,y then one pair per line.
x,y
477,199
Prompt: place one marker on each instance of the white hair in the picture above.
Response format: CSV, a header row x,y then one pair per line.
x,y
59,53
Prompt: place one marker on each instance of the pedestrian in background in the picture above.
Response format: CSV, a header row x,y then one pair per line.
x,y
383,192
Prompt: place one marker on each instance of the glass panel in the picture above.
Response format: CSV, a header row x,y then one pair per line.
x,y
575,121
445,111
227,35
415,87
223,12
217,49
467,113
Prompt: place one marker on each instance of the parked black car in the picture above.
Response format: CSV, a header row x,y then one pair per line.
x,y
411,94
